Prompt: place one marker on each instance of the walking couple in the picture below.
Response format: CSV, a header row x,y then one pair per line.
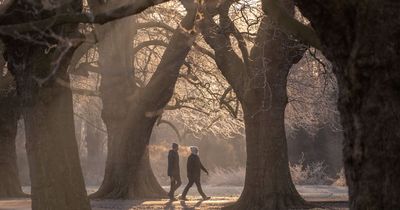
x,y
194,167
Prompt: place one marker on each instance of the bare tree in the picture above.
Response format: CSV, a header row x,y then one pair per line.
x,y
128,173
259,79
42,85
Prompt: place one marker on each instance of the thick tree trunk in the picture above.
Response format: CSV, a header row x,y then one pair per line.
x,y
128,172
268,182
55,172
362,42
146,182
94,158
10,185
56,176
262,92
117,85
370,118
47,109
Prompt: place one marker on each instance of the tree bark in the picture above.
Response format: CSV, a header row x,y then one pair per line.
x,y
10,185
361,40
260,85
268,183
43,86
94,160
117,85
57,181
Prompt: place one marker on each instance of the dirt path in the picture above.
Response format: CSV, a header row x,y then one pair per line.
x,y
192,204
326,197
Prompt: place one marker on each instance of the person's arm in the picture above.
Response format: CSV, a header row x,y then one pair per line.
x,y
202,167
170,159
190,167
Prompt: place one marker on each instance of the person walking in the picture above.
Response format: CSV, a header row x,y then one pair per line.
x,y
173,170
194,167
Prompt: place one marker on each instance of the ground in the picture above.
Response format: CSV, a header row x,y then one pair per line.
x,y
324,197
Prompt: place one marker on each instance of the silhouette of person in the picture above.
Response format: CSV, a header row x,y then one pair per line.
x,y
194,167
173,170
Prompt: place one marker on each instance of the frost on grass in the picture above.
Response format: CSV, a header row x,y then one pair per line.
x,y
227,177
311,174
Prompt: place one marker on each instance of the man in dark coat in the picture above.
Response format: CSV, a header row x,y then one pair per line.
x,y
173,170
194,167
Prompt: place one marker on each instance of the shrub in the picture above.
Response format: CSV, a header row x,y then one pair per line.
x,y
341,181
312,174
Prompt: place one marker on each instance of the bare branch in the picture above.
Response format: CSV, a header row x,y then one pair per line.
x,y
290,25
67,18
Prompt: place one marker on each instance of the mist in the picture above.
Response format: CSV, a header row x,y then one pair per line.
x,y
190,104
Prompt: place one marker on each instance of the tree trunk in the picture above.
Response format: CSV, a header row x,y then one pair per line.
x,y
370,117
361,40
55,172
10,185
262,92
117,85
268,182
128,172
94,160
47,108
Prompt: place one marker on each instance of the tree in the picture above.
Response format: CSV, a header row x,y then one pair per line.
x,y
40,38
128,173
361,41
259,80
118,84
42,85
10,185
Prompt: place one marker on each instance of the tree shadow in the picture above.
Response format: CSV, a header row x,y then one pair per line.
x,y
186,207
169,205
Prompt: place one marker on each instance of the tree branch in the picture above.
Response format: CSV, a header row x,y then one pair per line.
x,y
70,18
290,25
149,43
172,126
230,64
85,92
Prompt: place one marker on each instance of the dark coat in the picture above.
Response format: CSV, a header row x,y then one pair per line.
x,y
173,163
194,166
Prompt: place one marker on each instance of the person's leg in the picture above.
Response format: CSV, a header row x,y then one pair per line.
x,y
178,182
173,187
188,186
198,184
